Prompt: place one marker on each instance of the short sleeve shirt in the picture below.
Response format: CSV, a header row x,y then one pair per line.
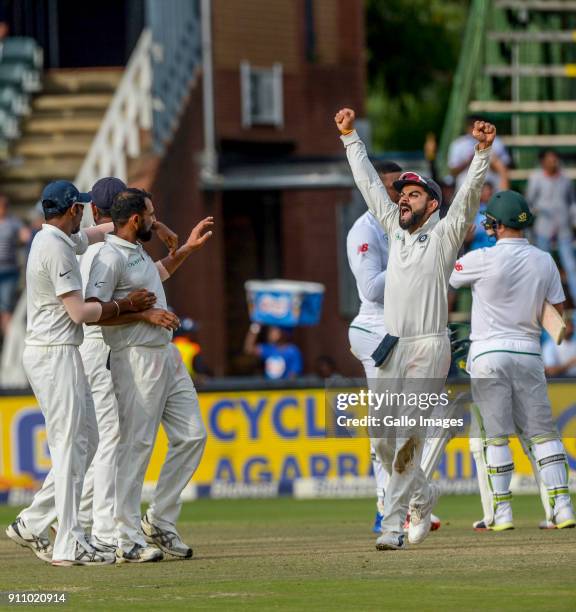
x,y
51,272
119,268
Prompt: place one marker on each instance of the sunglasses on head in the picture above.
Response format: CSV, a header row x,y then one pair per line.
x,y
412,176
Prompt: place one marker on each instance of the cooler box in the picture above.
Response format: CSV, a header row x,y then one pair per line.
x,y
284,303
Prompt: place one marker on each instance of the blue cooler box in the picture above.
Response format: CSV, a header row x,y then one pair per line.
x,y
284,303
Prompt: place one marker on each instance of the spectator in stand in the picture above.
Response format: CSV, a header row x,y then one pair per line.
x,y
550,194
186,341
13,235
461,152
326,367
477,237
281,357
560,360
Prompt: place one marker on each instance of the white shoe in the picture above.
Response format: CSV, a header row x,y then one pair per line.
x,y
139,554
101,545
564,518
86,556
421,517
503,520
390,541
168,541
39,545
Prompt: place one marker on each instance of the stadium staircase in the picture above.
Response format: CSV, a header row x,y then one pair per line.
x,y
518,69
57,132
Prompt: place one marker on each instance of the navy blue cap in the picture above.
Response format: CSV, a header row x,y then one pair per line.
x,y
105,190
60,195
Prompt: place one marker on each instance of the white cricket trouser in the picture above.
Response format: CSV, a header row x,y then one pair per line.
x,y
421,357
97,505
57,378
152,386
365,335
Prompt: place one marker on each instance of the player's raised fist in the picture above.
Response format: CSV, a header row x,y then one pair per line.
x,y
344,119
484,133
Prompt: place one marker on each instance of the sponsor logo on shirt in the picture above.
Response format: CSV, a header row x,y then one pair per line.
x,y
458,267
64,273
99,284
363,248
423,238
135,262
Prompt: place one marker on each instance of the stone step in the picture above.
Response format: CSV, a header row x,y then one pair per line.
x,y
522,174
560,36
552,6
541,141
23,192
39,124
502,107
53,146
71,102
45,169
533,70
82,80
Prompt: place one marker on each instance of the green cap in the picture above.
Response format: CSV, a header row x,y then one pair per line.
x,y
511,209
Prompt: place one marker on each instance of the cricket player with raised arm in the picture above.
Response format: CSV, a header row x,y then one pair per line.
x,y
55,312
422,252
97,503
512,284
150,380
367,251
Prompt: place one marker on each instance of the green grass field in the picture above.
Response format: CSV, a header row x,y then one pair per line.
x,y
288,554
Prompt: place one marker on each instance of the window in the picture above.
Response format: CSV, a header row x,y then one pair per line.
x,y
262,94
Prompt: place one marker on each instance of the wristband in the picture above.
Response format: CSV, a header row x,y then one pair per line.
x,y
346,132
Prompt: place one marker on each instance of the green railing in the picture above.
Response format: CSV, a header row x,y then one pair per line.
x,y
465,77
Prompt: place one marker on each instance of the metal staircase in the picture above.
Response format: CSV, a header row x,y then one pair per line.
x,y
518,69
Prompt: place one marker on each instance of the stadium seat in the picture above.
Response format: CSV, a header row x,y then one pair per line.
x,y
8,125
14,101
18,50
20,76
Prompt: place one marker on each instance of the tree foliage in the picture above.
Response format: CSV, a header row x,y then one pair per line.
x,y
413,48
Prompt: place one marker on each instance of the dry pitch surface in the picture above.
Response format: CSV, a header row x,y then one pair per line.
x,y
319,555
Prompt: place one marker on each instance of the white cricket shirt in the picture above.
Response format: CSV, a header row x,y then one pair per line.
x,y
117,269
510,282
367,250
91,332
52,270
419,264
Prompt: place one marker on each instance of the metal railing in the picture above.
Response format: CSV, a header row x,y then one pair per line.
x,y
130,111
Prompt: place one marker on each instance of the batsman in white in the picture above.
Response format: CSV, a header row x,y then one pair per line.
x,y
150,380
510,283
423,250
55,313
367,250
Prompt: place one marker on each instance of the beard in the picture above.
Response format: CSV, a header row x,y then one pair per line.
x,y
144,235
411,221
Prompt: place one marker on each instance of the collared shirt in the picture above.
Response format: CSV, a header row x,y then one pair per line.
x,y
461,151
551,197
119,268
52,271
367,250
419,264
510,282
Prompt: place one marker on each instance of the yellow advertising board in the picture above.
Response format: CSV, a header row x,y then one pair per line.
x,y
259,437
